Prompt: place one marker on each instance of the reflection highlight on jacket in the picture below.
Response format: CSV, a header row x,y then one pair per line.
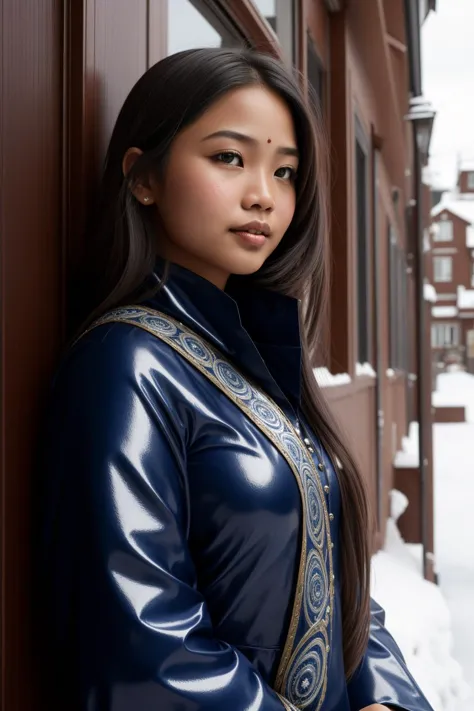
x,y
189,528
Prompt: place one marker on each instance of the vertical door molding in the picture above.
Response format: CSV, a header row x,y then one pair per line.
x,y
108,45
342,232
157,31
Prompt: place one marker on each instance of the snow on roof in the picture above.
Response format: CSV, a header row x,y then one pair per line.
x,y
444,311
365,369
427,175
430,293
461,206
465,298
466,165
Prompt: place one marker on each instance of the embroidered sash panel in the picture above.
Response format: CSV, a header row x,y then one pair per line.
x,y
302,673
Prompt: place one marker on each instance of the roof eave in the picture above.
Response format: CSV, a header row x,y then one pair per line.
x,y
437,210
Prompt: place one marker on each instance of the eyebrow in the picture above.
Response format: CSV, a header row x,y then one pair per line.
x,y
243,138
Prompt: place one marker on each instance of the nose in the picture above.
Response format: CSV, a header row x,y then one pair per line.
x,y
258,195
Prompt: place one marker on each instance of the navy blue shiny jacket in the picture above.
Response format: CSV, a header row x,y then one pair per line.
x,y
172,532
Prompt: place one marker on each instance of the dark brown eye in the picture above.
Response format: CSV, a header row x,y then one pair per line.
x,y
229,158
286,173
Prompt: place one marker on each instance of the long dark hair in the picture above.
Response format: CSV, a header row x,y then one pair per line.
x,y
169,96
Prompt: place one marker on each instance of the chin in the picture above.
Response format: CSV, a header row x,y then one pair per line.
x,y
249,265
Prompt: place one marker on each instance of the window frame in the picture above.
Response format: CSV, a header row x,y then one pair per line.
x,y
397,302
438,260
437,233
285,12
452,342
470,180
249,21
446,297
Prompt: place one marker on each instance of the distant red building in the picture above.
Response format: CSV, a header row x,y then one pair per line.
x,y
450,268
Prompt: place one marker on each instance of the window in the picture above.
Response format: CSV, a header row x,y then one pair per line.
x,y
193,24
470,180
470,344
444,335
361,177
280,16
443,269
444,231
472,273
398,304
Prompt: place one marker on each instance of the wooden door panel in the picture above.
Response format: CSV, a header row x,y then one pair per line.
x,y
116,40
108,48
30,305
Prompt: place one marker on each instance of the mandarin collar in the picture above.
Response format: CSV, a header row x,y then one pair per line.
x,y
257,329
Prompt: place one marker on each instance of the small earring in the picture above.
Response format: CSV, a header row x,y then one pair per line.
x,y
145,199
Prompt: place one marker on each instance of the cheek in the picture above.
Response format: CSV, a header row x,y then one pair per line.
x,y
198,192
288,205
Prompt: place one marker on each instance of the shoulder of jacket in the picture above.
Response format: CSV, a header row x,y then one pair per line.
x,y
118,348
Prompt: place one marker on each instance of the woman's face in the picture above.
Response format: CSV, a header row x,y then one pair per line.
x,y
230,174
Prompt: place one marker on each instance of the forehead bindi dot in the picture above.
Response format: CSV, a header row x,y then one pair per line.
x,y
269,140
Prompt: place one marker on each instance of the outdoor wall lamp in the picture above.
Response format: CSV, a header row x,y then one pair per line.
x,y
422,114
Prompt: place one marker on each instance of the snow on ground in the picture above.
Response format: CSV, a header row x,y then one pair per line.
x,y
454,510
455,389
408,456
434,625
417,615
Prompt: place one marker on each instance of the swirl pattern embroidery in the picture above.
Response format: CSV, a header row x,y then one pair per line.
x,y
302,673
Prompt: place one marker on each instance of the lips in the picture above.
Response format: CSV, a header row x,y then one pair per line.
x,y
252,239
253,228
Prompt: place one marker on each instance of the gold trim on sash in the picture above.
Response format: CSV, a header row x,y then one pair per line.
x,y
286,703
302,674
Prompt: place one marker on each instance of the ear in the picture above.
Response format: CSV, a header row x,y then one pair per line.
x,y
142,192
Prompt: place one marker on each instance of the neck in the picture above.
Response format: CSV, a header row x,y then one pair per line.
x,y
207,271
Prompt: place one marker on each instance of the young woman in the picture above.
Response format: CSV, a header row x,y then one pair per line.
x,y
208,536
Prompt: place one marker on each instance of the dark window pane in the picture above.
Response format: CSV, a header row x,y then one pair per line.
x,y
362,256
392,316
315,72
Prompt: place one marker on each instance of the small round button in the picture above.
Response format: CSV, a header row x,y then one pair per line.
x,y
321,467
331,517
326,488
